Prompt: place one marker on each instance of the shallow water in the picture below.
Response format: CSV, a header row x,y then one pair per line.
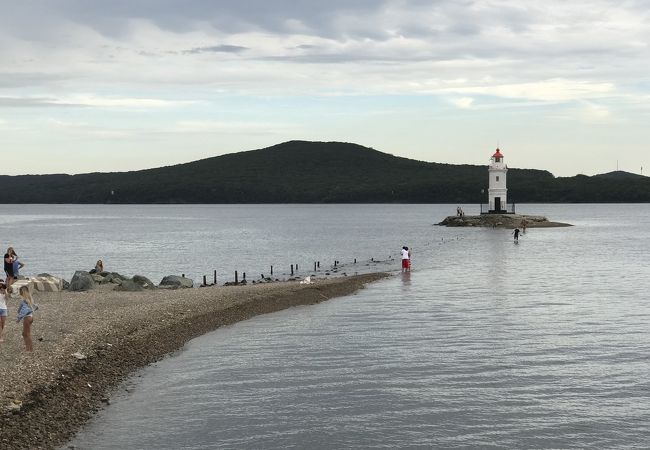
x,y
486,343
195,240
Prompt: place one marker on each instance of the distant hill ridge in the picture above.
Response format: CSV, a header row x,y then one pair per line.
x,y
317,172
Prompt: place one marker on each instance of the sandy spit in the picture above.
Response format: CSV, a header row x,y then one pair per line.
x,y
46,396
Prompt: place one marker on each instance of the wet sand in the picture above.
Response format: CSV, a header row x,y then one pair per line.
x,y
46,396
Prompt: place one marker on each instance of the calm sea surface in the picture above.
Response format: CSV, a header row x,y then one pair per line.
x,y
543,344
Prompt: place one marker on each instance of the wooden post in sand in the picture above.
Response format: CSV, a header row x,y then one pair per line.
x,y
291,269
215,277
205,281
318,264
243,276
314,266
236,277
271,270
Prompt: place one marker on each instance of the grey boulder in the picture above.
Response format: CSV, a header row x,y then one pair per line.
x,y
129,286
144,282
174,281
81,281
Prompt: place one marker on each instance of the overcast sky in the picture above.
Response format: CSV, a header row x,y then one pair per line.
x,y
120,85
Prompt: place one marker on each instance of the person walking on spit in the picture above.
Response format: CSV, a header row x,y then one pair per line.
x,y
3,310
516,234
406,259
26,314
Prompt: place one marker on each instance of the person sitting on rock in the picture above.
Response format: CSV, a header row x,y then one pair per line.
x,y
99,267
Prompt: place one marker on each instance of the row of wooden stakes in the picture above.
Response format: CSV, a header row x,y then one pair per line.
x,y
293,266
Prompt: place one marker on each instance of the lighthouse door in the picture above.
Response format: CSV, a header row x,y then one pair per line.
x,y
497,203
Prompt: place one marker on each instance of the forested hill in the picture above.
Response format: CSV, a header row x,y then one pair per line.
x,y
316,172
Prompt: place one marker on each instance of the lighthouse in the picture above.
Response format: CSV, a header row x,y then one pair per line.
x,y
497,192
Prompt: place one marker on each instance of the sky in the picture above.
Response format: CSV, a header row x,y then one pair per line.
x,y
96,86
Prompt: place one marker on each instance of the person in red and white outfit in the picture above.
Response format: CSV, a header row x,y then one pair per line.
x,y
406,259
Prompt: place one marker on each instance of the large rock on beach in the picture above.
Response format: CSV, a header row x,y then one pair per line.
x,y
144,282
81,281
175,282
129,286
98,278
113,277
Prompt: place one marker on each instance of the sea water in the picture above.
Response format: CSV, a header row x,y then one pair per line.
x,y
487,343
196,240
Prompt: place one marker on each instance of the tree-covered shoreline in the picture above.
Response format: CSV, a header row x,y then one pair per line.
x,y
318,172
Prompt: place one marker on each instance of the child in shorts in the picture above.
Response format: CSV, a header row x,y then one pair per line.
x,y
26,314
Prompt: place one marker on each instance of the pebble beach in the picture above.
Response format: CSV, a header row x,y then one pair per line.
x,y
87,343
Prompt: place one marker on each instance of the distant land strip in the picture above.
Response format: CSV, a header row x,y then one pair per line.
x,y
318,172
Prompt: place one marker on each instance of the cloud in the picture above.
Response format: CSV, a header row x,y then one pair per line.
x,y
232,127
26,102
89,101
217,49
119,102
462,102
555,90
132,54
588,113
502,48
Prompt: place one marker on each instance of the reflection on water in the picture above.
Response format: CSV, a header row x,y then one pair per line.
x,y
543,344
406,279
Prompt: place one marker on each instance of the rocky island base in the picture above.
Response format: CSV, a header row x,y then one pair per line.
x,y
501,221
86,343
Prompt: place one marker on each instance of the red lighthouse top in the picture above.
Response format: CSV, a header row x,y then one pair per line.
x,y
497,154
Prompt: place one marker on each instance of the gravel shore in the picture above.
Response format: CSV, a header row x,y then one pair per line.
x,y
46,396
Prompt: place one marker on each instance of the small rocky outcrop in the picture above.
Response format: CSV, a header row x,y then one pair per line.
x,y
501,221
176,282
81,281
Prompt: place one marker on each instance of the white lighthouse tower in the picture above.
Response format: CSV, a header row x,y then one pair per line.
x,y
497,192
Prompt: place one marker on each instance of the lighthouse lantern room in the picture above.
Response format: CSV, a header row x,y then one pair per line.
x,y
497,192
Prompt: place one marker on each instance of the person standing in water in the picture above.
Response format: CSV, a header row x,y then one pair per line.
x,y
406,259
524,224
516,234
